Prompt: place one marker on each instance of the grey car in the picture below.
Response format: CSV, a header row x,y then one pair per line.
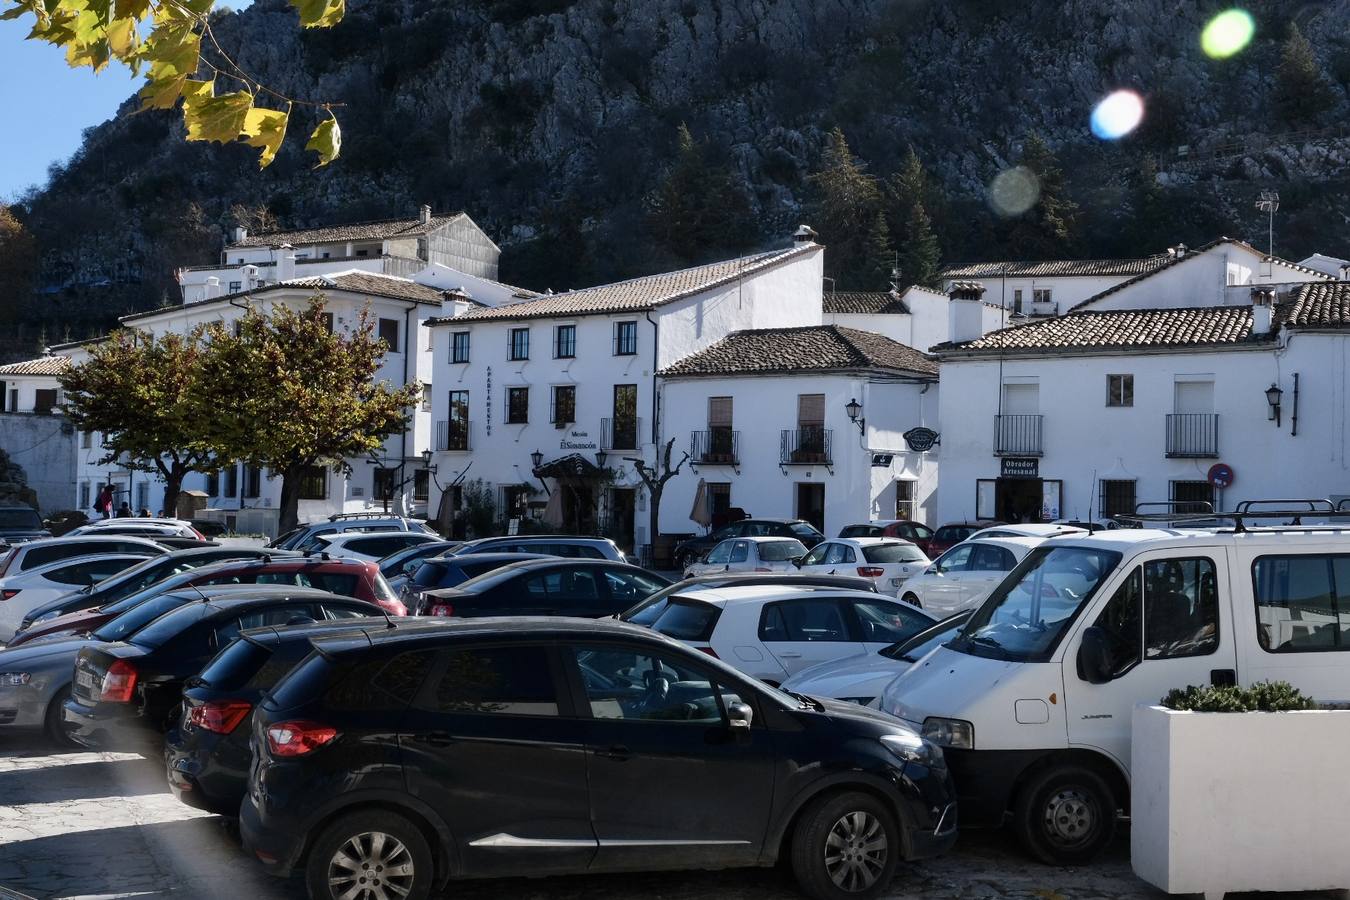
x,y
567,545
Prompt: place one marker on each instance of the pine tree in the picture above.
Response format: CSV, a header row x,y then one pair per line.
x,y
699,211
1049,230
1302,92
878,255
908,192
848,203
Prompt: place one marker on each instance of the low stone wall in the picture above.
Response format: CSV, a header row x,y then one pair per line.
x,y
45,446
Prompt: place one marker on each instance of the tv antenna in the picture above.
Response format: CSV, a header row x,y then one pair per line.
x,y
1268,202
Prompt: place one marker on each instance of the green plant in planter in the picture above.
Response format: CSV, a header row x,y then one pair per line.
x,y
1264,696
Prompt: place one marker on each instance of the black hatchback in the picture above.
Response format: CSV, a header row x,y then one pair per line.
x,y
386,764
551,586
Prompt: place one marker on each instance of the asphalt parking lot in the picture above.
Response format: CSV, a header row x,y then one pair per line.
x,y
97,825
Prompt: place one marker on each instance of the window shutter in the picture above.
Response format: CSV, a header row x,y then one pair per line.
x,y
719,412
810,409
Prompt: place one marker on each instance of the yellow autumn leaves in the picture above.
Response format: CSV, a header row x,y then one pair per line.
x,y
164,38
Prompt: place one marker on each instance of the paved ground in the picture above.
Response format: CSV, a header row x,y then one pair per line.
x,y
99,825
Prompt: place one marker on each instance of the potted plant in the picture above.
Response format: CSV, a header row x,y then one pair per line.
x,y
1239,789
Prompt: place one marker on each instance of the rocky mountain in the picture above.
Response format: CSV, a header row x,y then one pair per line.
x,y
550,121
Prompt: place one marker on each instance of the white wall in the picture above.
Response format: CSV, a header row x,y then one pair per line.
x,y
898,327
193,281
1065,291
1204,279
492,293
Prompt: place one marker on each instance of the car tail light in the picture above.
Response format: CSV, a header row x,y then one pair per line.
x,y
6,559
8,593
441,609
219,716
710,651
298,738
200,536
119,682
871,571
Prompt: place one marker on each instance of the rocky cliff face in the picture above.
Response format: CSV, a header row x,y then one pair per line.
x,y
549,120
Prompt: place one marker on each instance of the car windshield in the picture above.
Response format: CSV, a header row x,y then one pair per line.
x,y
918,646
20,517
680,618
801,529
1029,611
778,551
854,531
135,619
893,553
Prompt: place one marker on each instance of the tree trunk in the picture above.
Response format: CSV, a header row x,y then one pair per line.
x,y
173,486
654,507
290,499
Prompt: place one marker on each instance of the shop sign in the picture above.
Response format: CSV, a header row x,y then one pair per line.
x,y
920,439
882,460
578,440
1021,467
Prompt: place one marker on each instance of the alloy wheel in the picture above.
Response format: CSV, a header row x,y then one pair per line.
x,y
855,851
371,866
1071,817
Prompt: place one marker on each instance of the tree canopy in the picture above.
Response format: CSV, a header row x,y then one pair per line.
x,y
848,200
698,207
919,253
1302,92
1049,230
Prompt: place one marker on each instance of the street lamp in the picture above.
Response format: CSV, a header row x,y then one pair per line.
x,y
426,461
1273,394
854,409
536,459
600,458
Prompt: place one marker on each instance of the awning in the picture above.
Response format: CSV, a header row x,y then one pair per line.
x,y
700,513
573,466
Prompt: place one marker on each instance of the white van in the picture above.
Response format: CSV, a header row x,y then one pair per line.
x,y
1032,701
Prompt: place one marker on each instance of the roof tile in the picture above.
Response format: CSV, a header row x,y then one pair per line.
x,y
360,231
864,303
1056,268
1121,330
45,365
811,348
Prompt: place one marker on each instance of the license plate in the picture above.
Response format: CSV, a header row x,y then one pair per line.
x,y
85,679
896,581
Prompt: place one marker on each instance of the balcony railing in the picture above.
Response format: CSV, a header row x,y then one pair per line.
x,y
620,434
1018,435
1193,436
453,435
716,447
810,445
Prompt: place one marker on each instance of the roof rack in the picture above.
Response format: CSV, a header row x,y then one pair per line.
x,y
362,515
1202,511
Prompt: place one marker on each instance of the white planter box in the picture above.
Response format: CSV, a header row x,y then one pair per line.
x,y
1226,802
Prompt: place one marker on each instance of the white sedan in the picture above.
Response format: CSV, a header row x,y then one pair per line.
x,y
888,562
750,554
370,546
19,594
962,577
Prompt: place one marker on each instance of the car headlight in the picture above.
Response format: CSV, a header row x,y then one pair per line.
x,y
909,747
949,732
14,679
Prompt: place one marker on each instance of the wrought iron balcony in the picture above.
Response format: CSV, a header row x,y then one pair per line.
x,y
1193,436
620,434
715,447
1018,435
453,435
808,446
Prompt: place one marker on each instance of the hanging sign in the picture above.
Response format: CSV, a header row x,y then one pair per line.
x,y
1020,467
882,460
920,439
1220,475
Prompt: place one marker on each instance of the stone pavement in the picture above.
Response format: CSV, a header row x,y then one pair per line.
x,y
94,825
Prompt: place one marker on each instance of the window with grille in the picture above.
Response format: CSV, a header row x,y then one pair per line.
x,y
314,483
232,481
421,484
142,496
252,482
459,347
44,401
85,492
519,343
327,323
1120,390
904,500
1191,496
388,331
386,480
624,434
236,287
625,338
719,501
564,342
457,435
212,484
564,404
517,406
1117,498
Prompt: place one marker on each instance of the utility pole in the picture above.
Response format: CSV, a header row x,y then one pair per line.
x,y
1268,202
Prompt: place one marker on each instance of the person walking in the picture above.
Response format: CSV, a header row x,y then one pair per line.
x,y
103,503
124,511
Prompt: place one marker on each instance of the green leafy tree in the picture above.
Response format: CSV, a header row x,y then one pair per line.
x,y
304,395
699,209
173,42
1302,92
1050,228
908,192
146,396
847,202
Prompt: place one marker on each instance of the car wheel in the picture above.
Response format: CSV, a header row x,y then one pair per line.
x,y
845,846
53,723
1066,816
375,855
912,600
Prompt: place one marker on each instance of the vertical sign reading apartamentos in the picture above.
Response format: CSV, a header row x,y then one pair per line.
x,y
488,413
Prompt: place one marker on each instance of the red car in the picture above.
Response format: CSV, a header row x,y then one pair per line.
x,y
953,533
346,577
916,533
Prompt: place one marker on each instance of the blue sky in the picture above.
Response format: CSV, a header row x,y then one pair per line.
x,y
47,104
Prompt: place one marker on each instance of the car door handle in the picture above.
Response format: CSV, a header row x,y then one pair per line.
x,y
789,654
435,739
616,752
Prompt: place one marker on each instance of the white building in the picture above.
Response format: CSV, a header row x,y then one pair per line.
x,y
34,433
1050,287
765,417
1158,389
399,247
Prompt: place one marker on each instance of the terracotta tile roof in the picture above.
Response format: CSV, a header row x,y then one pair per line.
x,y
1129,329
359,231
812,348
45,365
1056,268
1318,305
637,294
864,303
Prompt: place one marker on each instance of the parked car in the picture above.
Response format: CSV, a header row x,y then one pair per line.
x,y
19,522
301,538
953,533
916,533
207,752
547,587
694,549
23,592
1040,530
348,577
888,562
371,547
693,765
130,581
46,551
962,577
771,632
62,521
147,526
126,694
863,679
405,562
741,579
547,544
750,554
451,571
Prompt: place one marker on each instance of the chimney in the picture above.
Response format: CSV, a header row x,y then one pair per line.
x,y
426,214
1262,309
1345,273
457,300
285,262
211,289
804,234
964,315
240,234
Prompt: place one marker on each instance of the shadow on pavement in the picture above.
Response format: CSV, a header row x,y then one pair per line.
x,y
82,780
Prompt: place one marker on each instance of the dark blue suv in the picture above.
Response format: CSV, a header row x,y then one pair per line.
x,y
387,763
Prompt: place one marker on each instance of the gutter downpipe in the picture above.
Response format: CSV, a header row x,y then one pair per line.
x,y
656,343
408,344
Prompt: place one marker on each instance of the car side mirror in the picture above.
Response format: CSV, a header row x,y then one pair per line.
x,y
739,717
1094,659
797,560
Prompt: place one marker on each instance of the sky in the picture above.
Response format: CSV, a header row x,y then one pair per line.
x,y
47,104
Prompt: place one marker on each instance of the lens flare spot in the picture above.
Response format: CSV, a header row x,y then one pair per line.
x,y
1014,191
1117,115
1227,33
